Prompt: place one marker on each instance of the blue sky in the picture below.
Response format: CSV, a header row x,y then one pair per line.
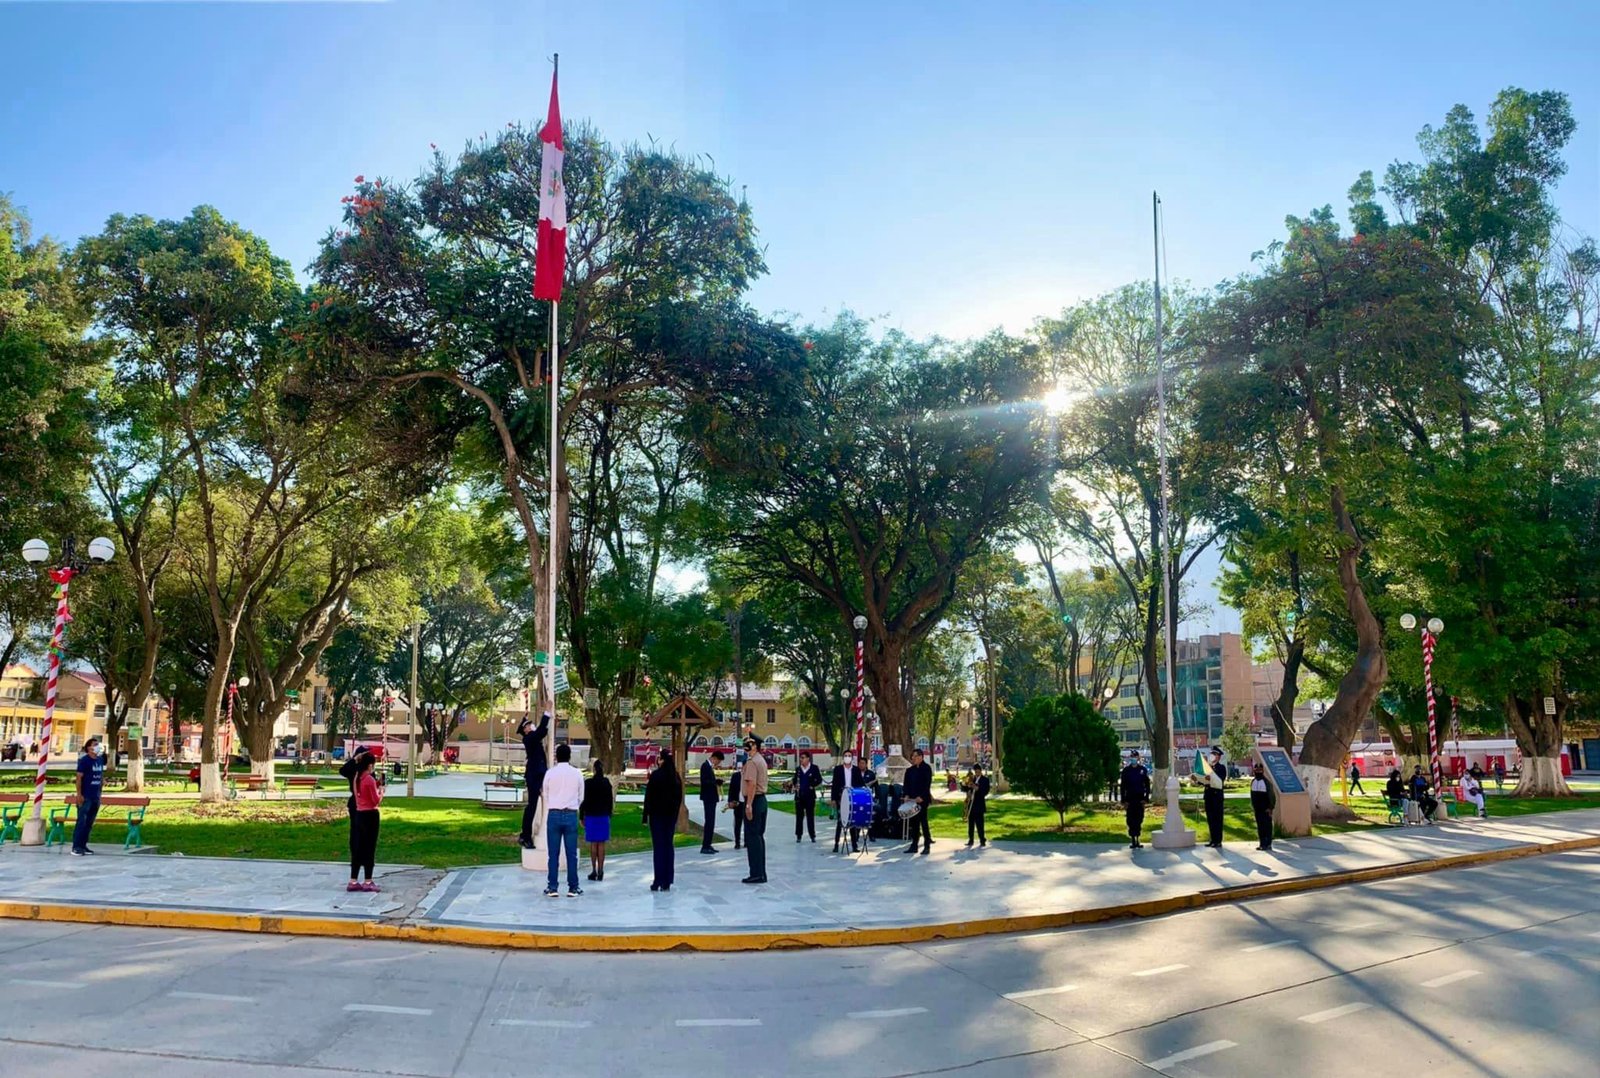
x,y
945,167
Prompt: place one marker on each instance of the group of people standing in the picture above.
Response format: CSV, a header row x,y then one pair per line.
x,y
1135,786
747,800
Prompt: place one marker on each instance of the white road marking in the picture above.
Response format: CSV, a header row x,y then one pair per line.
x,y
700,1023
1333,1012
1270,946
1536,950
1192,1053
212,995
1596,935
1029,993
542,1023
26,982
897,1012
379,1008
1164,969
159,943
1359,926
1451,978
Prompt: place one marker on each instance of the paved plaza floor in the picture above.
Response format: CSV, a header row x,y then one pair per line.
x,y
810,888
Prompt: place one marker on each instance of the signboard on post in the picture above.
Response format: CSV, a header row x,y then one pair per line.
x,y
561,683
625,706
1549,705
591,698
1292,812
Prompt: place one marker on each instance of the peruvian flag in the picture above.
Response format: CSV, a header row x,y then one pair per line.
x,y
550,259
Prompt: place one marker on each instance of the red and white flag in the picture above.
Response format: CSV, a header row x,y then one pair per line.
x,y
550,259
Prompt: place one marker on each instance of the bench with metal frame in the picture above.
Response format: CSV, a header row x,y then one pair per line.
x,y
136,807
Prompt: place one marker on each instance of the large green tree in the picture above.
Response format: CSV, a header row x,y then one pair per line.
x,y
873,471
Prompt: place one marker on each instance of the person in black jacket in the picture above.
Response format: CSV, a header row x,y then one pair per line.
x,y
595,812
736,799
1213,798
1262,799
533,744
663,797
847,775
807,778
977,788
1135,786
710,787
919,788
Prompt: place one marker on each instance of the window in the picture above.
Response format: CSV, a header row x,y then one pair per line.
x,y
922,743
716,742
701,741
788,742
805,742
749,714
771,742
772,715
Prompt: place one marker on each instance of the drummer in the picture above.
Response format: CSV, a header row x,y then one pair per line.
x,y
919,788
847,775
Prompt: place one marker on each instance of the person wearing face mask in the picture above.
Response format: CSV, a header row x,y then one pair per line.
x,y
736,799
90,780
847,775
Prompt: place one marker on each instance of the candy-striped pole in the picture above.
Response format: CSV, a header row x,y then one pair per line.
x,y
861,697
1428,640
62,577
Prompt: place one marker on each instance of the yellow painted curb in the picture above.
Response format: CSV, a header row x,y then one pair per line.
x,y
733,940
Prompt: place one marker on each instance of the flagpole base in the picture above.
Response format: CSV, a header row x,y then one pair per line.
x,y
33,831
1174,835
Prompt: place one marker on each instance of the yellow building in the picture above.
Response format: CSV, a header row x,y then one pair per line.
x,y
80,708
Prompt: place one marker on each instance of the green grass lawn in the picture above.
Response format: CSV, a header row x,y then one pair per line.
x,y
1026,819
433,831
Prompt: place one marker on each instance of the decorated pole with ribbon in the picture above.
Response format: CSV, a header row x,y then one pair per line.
x,y
62,578
1428,641
383,726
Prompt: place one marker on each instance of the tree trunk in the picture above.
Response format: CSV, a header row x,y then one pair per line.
x,y
1283,706
1328,740
1539,737
883,675
211,720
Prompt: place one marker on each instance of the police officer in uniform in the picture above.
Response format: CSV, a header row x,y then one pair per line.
x,y
1135,785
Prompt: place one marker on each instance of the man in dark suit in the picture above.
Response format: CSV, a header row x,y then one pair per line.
x,y
847,775
709,786
1216,780
735,799
1135,784
919,788
807,778
533,772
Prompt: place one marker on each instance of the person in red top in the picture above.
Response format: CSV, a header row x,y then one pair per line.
x,y
364,824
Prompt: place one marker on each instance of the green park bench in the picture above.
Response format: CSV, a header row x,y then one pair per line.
x,y
12,806
136,808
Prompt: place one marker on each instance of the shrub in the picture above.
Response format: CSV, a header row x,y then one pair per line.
x,y
1061,750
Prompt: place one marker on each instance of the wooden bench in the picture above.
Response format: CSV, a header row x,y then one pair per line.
x,y
12,806
503,794
134,805
249,782
309,783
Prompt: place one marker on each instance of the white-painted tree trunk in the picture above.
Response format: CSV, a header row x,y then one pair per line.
x,y
1541,777
266,768
1319,784
210,782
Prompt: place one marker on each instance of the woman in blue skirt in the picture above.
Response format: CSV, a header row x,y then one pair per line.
x,y
595,812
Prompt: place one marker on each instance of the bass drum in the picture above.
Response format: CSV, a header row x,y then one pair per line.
x,y
861,806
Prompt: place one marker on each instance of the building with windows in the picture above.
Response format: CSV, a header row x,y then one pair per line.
x,y
1216,681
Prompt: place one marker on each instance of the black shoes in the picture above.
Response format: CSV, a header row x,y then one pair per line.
x,y
911,848
525,843
754,879
926,850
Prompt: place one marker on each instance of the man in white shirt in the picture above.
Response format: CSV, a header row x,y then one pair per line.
x,y
563,794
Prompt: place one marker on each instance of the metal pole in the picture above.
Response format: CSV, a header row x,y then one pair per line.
x,y
411,724
1173,833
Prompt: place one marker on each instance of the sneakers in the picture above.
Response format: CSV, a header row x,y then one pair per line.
x,y
370,886
79,853
551,892
575,892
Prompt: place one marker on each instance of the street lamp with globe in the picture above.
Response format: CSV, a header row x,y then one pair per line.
x,y
37,552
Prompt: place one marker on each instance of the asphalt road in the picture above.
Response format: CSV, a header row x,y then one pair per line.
x,y
1487,971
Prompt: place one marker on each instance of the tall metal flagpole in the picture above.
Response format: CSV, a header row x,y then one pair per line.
x,y
1173,834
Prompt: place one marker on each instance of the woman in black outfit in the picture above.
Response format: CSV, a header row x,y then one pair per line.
x,y
595,812
977,787
663,798
348,771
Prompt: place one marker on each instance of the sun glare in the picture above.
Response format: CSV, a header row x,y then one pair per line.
x,y
1061,398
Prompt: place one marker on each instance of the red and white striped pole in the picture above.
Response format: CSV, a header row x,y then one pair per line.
x,y
383,726
62,578
861,697
1428,641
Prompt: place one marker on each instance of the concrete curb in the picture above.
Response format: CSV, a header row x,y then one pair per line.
x,y
733,940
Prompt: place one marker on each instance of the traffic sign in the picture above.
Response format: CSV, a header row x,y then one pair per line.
x,y
540,658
